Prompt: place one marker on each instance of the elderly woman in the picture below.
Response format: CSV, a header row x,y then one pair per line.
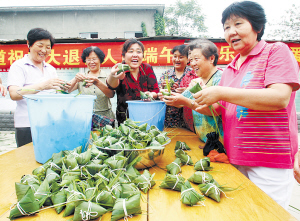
x,y
128,84
258,90
3,90
174,115
203,56
93,82
31,72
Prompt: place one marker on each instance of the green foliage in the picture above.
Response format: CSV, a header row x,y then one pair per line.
x,y
289,26
144,30
159,24
185,19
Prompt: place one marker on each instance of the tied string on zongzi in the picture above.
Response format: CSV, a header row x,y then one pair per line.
x,y
183,146
109,190
203,177
51,164
217,190
41,194
50,174
177,180
177,165
114,187
127,177
202,165
22,211
81,172
101,176
73,194
87,215
193,192
32,187
113,171
125,211
148,181
187,162
28,179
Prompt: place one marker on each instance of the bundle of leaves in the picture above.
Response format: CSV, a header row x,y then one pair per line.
x,y
129,136
84,184
203,164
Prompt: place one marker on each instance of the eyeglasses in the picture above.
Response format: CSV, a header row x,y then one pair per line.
x,y
93,59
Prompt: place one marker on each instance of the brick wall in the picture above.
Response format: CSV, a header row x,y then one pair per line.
x,y
7,121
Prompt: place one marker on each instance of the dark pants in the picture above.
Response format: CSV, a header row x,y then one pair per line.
x,y
23,136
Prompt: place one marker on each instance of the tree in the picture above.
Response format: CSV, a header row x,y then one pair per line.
x,y
185,19
159,24
289,26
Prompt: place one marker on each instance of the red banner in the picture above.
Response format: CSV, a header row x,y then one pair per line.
x,y
157,53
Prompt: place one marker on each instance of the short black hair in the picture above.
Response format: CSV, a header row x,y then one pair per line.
x,y
130,42
181,50
249,10
87,51
37,34
208,48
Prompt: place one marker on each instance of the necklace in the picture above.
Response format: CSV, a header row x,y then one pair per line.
x,y
211,77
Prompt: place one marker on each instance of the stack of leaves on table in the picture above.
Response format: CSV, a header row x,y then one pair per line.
x,y
88,184
93,182
207,184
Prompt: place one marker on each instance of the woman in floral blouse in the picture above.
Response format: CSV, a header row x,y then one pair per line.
x,y
128,84
174,115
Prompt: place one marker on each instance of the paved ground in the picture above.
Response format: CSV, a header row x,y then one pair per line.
x,y
7,143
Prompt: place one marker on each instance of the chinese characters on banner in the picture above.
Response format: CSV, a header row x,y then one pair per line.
x,y
157,53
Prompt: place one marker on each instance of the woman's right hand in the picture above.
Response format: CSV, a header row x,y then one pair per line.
x,y
53,83
79,77
114,71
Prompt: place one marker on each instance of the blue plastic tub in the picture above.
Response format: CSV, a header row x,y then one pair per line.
x,y
152,113
59,122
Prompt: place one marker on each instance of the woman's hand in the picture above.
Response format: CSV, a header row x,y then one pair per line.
x,y
175,100
152,94
114,70
163,84
297,167
3,90
79,77
53,83
175,86
91,80
180,90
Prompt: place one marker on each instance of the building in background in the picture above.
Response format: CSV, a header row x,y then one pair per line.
x,y
84,21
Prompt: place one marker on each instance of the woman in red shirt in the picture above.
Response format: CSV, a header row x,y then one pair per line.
x,y
128,84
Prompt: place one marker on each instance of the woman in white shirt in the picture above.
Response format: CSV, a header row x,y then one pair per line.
x,y
31,72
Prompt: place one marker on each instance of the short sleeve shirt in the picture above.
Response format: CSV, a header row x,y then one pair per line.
x,y
262,138
23,73
102,104
174,115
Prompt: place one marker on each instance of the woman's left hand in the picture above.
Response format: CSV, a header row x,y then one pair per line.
x,y
175,100
91,80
